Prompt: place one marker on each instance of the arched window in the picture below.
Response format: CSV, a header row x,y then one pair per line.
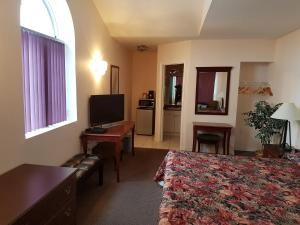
x,y
37,15
48,56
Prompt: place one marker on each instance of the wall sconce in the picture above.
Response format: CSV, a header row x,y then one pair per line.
x,y
98,66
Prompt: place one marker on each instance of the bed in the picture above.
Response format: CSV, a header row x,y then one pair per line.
x,y
217,189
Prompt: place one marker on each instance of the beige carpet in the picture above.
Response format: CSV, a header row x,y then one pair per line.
x,y
133,201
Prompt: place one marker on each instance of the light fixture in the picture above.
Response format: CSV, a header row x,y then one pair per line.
x,y
287,112
98,66
142,48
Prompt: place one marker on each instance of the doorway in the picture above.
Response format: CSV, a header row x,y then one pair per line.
x,y
172,99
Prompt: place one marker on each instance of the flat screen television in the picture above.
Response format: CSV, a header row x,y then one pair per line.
x,y
106,109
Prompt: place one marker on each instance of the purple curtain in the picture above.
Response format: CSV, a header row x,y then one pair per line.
x,y
33,81
56,84
44,83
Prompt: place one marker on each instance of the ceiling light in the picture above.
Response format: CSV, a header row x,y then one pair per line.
x,y
142,48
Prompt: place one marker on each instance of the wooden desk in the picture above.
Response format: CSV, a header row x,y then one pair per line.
x,y
213,127
32,194
113,134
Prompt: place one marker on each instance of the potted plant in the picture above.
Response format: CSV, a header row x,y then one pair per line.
x,y
260,119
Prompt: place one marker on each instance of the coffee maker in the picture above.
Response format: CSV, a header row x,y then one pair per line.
x,y
151,94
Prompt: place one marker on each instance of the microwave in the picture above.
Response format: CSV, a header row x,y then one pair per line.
x,y
146,103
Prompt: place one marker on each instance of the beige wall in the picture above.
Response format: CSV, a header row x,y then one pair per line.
x,y
56,146
210,53
222,53
174,53
244,135
143,76
283,73
285,79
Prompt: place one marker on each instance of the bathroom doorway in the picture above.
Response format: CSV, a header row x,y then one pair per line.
x,y
173,83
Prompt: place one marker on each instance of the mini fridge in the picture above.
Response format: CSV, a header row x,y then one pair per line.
x,y
145,120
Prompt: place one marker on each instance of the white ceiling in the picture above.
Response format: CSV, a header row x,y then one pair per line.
x,y
251,19
153,22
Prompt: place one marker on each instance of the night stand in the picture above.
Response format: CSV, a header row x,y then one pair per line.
x,y
273,151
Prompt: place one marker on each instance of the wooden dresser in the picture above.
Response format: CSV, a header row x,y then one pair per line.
x,y
38,195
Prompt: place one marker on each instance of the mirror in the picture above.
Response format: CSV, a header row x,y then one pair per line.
x,y
173,85
212,90
114,80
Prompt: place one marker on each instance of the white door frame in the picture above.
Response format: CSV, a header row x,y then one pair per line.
x,y
160,90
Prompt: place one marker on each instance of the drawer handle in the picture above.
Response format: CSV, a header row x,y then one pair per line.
x,y
68,190
68,212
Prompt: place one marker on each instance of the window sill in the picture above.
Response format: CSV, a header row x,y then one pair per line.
x,y
32,134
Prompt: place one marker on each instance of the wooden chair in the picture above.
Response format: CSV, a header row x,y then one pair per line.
x,y
206,138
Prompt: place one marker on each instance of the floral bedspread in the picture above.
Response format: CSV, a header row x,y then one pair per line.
x,y
216,189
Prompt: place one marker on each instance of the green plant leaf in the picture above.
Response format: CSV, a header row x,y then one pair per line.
x,y
260,119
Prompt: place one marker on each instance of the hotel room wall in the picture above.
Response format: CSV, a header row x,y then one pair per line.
x,y
11,100
222,53
245,136
174,53
143,76
285,79
212,53
56,146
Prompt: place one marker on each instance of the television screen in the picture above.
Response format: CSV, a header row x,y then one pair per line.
x,y
106,109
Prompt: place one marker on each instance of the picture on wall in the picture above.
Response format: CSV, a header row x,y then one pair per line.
x,y
114,79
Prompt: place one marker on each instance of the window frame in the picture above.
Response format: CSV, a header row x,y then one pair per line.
x,y
52,17
69,62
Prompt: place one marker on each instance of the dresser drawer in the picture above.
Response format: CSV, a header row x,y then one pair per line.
x,y
51,204
67,216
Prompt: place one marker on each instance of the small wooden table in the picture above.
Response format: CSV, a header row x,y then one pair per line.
x,y
113,134
213,127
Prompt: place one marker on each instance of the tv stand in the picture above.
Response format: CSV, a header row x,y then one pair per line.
x,y
96,130
114,134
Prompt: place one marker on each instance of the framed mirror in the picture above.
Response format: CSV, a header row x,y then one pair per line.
x,y
212,90
114,79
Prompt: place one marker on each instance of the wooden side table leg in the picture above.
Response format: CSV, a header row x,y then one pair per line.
x,y
217,148
194,139
224,142
117,158
115,164
84,144
132,142
100,174
228,141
